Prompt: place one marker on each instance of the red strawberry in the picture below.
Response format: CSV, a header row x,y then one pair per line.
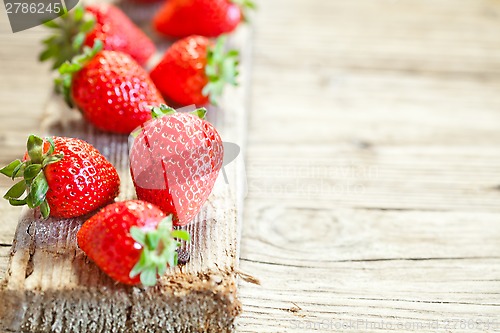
x,y
65,177
100,21
175,160
110,88
131,241
194,71
211,18
146,2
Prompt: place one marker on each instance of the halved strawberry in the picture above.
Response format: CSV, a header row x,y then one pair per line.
x,y
175,160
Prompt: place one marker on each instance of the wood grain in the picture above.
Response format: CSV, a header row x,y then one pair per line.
x,y
392,107
408,89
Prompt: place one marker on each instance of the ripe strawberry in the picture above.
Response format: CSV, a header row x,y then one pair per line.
x,y
175,160
110,88
131,241
65,177
194,71
211,18
100,21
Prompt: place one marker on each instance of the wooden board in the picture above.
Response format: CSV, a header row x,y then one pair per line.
x,y
373,168
51,286
408,87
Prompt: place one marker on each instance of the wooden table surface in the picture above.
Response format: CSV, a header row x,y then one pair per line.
x,y
373,163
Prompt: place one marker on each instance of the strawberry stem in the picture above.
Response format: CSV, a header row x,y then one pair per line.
x,y
70,68
221,69
164,110
159,250
245,6
71,29
34,183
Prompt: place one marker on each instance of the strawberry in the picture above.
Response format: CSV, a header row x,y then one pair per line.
x,y
100,21
174,161
131,241
110,88
210,18
65,177
194,71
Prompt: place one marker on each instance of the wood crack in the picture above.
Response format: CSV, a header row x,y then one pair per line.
x,y
421,301
367,260
393,209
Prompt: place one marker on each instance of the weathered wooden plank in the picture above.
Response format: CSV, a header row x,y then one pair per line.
x,y
432,296
328,236
49,279
426,178
349,75
364,267
339,106
442,37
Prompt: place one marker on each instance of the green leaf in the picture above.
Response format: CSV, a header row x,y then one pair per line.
x,y
51,24
159,250
52,146
88,25
47,54
221,69
180,234
161,110
52,159
70,32
245,6
78,41
32,171
78,13
138,235
45,209
148,277
19,170
8,170
35,146
38,190
70,68
17,202
50,40
152,240
16,191
200,113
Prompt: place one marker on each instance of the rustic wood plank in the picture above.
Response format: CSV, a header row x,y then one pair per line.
x,y
400,99
375,296
411,178
425,37
393,108
364,267
370,77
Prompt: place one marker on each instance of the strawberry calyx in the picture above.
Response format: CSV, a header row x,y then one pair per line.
x,y
69,68
245,7
221,69
158,250
71,29
164,110
34,183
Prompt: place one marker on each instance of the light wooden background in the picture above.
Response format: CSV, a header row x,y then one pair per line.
x,y
373,163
